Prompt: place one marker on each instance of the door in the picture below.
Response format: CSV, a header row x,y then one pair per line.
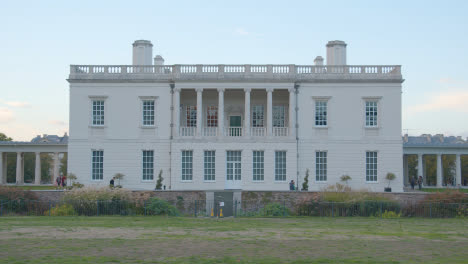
x,y
235,126
233,170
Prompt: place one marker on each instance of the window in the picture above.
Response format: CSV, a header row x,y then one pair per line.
x,y
257,116
212,116
187,165
233,165
321,113
279,116
258,165
209,164
321,166
148,165
280,166
98,165
371,113
148,113
191,112
98,112
371,166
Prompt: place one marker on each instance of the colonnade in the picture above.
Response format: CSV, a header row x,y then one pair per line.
x,y
20,168
247,107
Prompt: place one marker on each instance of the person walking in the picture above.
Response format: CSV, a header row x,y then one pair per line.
x,y
111,184
291,185
420,181
412,181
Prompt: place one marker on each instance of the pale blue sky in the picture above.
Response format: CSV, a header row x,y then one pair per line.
x,y
40,39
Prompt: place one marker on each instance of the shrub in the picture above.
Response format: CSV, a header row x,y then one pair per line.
x,y
85,200
390,214
16,194
157,206
305,184
159,181
345,178
449,196
275,209
390,177
61,210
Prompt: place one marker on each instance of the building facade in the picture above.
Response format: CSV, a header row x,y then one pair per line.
x,y
236,127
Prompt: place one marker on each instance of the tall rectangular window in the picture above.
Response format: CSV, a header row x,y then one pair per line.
x,y
321,113
212,116
97,165
321,166
280,166
258,165
279,114
148,112
148,165
191,113
257,116
187,165
371,166
371,113
98,112
233,166
209,165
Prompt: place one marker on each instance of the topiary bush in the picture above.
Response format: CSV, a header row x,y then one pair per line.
x,y
157,206
61,210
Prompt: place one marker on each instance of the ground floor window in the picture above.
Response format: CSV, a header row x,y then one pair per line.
x,y
258,165
321,166
209,165
148,165
233,165
98,165
280,166
371,166
187,165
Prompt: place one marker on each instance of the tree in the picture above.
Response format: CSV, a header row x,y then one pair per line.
x,y
390,177
119,176
4,137
345,178
305,184
159,182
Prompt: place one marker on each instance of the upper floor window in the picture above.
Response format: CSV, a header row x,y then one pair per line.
x,y
98,113
257,116
148,112
212,116
279,114
371,113
321,113
191,113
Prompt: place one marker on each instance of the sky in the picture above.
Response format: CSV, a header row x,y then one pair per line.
x,y
40,39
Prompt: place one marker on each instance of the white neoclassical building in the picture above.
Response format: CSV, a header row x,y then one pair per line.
x,y
236,127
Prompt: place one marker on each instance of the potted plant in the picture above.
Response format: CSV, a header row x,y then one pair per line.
x,y
389,177
159,182
305,184
119,176
345,178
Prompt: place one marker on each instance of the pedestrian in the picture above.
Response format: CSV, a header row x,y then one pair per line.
x,y
64,180
420,180
291,185
58,181
412,181
111,184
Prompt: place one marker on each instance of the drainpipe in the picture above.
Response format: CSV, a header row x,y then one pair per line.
x,y
172,85
296,108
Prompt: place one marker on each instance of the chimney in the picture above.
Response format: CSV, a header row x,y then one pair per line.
x,y
158,60
336,52
318,61
142,52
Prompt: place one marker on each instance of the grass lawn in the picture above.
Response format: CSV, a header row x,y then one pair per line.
x,y
229,240
443,190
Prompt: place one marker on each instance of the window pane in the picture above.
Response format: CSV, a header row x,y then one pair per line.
x,y
258,165
280,166
187,165
209,165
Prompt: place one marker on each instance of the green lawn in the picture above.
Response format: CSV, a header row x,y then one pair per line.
x,y
442,190
229,240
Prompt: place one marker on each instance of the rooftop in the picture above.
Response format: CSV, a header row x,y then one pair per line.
x,y
41,140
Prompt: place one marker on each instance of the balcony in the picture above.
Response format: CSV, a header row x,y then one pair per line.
x,y
233,132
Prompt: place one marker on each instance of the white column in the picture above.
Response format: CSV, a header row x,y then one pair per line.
x,y
56,167
176,111
458,176
292,113
199,111
220,112
19,168
247,112
1,169
439,170
420,167
269,111
37,169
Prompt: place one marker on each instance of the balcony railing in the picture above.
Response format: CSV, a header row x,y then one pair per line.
x,y
247,71
233,132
